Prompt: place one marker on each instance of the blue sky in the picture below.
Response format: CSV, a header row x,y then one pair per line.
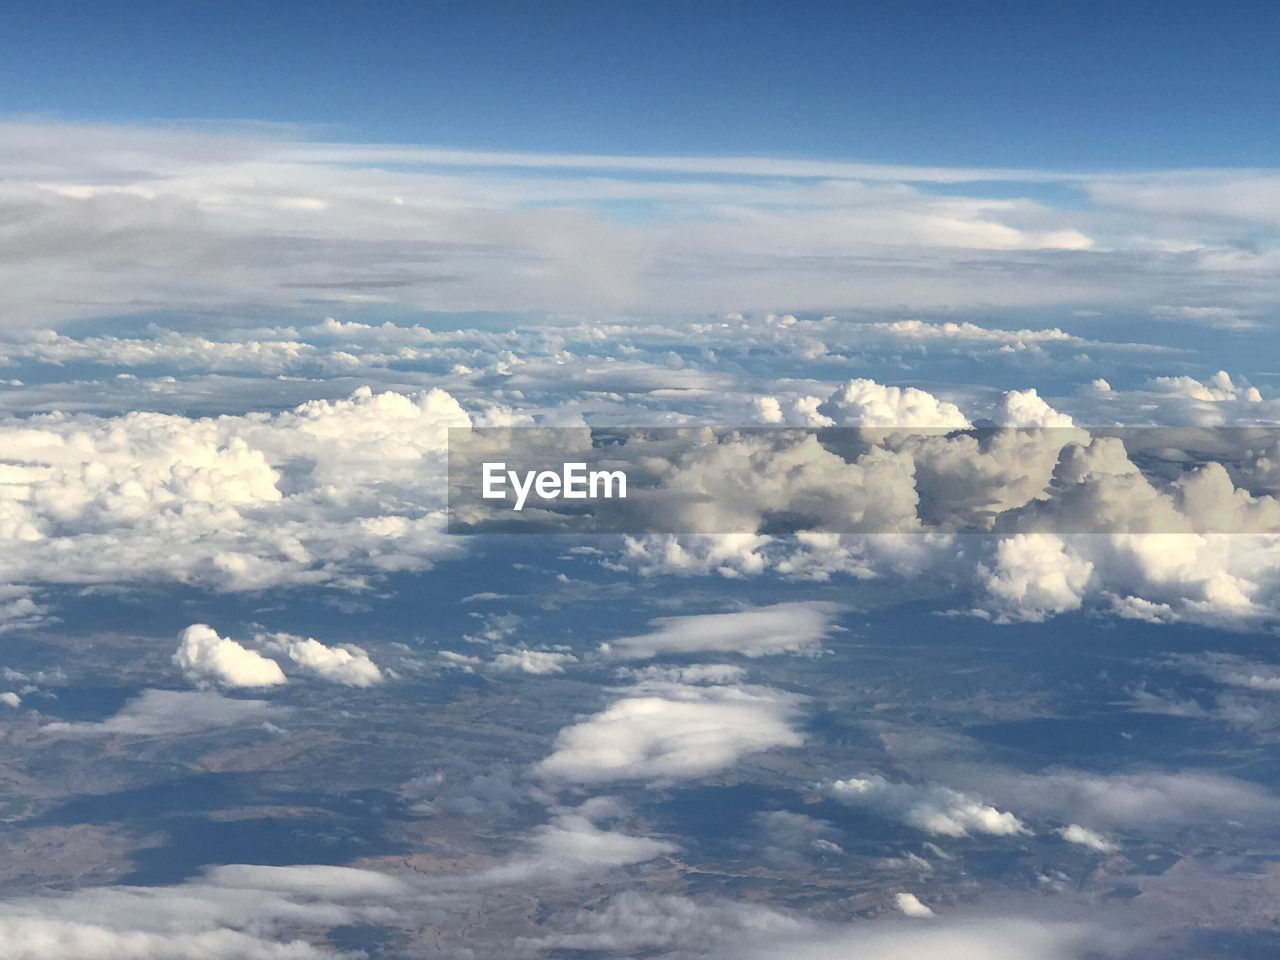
x,y
1088,84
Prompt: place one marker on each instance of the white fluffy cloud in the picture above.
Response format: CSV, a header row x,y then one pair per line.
x,y
347,664
669,731
327,492
1035,577
1220,388
1084,837
935,809
1025,408
865,403
909,905
206,658
1224,579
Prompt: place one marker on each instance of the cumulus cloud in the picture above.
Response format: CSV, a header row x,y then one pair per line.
x,y
1034,577
206,658
672,731
347,664
935,809
1220,388
910,905
1084,837
767,410
781,628
1025,408
739,482
865,403
1222,579
536,662
330,491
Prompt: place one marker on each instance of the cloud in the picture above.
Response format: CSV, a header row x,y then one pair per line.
x,y
1230,669
19,609
574,844
967,332
1139,802
667,732
909,905
865,403
533,662
1025,408
1034,577
694,673
788,839
206,658
741,481
935,809
997,938
636,923
1219,389
536,662
1082,836
299,222
328,492
234,912
639,921
176,713
347,664
492,793
755,632
1222,579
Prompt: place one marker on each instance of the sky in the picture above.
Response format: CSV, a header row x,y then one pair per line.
x,y
1099,85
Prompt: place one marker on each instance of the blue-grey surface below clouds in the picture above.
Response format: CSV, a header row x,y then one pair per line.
x,y
258,702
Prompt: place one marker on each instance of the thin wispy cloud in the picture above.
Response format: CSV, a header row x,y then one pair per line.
x,y
104,219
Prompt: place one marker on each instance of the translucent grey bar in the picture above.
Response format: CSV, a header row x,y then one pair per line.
x,y
864,480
